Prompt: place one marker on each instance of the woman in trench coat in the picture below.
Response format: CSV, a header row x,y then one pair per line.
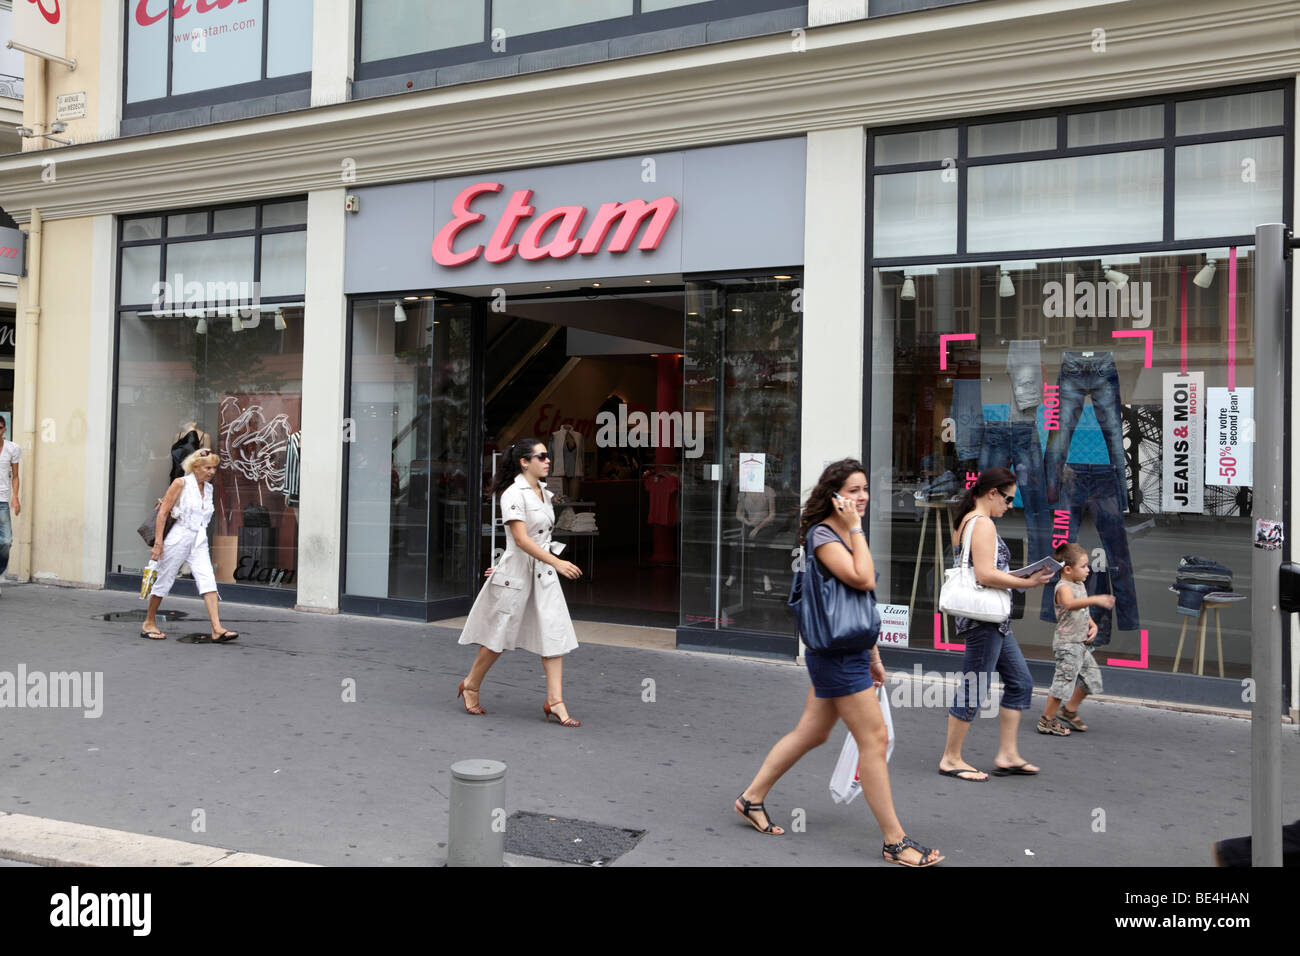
x,y
522,604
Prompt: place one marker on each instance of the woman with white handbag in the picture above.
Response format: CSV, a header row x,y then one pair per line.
x,y
979,586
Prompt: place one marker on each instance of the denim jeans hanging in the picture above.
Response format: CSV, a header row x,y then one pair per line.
x,y
1093,491
1087,375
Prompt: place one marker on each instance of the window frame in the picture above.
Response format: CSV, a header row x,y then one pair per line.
x,y
171,103
1168,142
614,28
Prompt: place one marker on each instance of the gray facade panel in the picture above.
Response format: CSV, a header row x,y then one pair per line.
x,y
757,24
658,42
578,55
243,109
482,70
738,207
181,119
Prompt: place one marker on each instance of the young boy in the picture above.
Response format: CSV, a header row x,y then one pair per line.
x,y
1075,628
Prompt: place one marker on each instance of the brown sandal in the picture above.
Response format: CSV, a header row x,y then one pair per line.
x,y
1071,717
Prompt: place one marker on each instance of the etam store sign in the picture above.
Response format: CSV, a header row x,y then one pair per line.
x,y
705,210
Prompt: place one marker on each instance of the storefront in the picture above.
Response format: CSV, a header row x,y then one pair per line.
x,y
210,327
642,317
1068,294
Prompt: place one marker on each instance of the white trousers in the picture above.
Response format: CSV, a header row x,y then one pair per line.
x,y
183,546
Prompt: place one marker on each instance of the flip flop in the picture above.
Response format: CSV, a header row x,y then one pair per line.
x,y
149,635
961,770
1017,771
226,636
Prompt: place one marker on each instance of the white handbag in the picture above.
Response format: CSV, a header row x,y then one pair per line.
x,y
963,596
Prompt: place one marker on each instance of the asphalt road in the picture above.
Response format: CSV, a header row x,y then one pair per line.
x,y
255,740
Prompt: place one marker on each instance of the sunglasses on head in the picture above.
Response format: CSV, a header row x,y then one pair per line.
x,y
205,452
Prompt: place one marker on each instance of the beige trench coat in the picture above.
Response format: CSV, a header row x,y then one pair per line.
x,y
521,605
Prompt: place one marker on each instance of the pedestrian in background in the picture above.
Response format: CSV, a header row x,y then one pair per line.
x,y
522,604
188,440
189,501
830,529
11,454
990,646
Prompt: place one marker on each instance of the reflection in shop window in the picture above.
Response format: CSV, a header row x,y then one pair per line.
x,y
1041,366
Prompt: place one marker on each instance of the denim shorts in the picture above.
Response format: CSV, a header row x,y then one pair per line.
x,y
839,675
989,650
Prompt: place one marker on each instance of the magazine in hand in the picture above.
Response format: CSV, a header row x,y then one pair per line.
x,y
1029,570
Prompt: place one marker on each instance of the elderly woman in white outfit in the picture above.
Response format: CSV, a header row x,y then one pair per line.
x,y
189,501
522,604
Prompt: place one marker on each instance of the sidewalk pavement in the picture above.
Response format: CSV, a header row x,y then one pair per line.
x,y
256,735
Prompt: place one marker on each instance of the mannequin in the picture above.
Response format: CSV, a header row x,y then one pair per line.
x,y
566,459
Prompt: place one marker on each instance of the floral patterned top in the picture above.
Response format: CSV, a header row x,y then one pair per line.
x,y
1002,563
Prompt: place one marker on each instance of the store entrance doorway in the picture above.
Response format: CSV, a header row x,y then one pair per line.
x,y
596,375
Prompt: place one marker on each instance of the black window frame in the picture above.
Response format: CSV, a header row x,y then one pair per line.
x,y
705,11
1168,141
170,103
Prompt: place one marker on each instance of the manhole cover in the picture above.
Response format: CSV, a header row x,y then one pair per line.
x,y
567,841
138,616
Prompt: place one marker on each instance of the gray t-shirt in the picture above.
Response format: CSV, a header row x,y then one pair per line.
x,y
819,535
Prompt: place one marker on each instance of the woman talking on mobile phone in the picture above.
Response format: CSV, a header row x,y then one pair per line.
x,y
522,604
830,529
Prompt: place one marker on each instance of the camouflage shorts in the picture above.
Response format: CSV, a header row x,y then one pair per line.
x,y
1074,662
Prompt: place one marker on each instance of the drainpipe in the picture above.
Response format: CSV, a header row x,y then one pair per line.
x,y
27,430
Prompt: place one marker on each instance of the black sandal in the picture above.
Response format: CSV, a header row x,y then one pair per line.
x,y
771,829
893,852
225,636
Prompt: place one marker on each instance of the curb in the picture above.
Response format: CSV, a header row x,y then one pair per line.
x,y
45,842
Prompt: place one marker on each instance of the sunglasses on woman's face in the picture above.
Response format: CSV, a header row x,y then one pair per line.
x,y
1006,497
541,456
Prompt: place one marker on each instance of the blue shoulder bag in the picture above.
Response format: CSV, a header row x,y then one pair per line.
x,y
832,617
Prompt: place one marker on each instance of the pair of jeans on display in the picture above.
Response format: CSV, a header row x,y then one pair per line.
x,y
1025,369
1087,375
1094,491
1198,578
1015,446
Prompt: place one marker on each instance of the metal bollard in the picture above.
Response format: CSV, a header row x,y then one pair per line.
x,y
476,834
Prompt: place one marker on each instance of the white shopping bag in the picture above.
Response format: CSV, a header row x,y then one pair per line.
x,y
845,784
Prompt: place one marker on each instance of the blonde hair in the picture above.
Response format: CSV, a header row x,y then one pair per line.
x,y
197,458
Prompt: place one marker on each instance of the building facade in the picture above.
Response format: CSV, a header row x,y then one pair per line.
x,y
699,250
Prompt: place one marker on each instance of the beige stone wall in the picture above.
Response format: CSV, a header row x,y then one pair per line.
x,y
54,470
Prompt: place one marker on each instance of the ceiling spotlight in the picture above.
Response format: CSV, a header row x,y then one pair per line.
x,y
783,278
399,314
1005,288
201,328
909,289
280,324
1205,277
1119,278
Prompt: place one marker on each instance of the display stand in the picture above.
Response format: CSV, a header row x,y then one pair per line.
x,y
926,507
1198,654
